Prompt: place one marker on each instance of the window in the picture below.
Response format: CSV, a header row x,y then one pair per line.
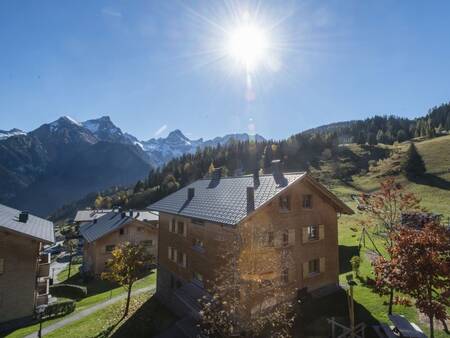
x,y
2,266
285,276
172,225
285,203
198,243
314,266
313,232
140,229
307,201
110,248
121,231
269,239
198,277
172,254
285,237
147,243
180,229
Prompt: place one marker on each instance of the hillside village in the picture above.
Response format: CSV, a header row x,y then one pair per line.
x,y
244,239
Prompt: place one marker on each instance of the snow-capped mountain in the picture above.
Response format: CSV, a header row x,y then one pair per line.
x,y
4,134
162,150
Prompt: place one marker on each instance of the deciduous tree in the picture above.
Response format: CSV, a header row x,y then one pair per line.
x,y
126,266
419,265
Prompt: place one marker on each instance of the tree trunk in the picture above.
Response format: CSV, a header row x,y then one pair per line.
x,y
128,299
431,326
391,300
70,264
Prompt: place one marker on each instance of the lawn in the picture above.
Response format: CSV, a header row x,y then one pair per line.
x,y
98,291
147,318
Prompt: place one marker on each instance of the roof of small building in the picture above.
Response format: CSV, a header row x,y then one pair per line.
x,y
224,200
89,215
35,227
112,221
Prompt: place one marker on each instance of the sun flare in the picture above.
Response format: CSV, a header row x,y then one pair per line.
x,y
248,45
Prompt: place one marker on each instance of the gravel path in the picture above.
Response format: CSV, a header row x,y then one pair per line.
x,y
79,315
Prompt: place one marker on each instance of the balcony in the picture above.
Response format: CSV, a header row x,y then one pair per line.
x,y
43,287
44,266
42,300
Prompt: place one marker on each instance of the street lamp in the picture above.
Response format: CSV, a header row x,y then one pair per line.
x,y
40,313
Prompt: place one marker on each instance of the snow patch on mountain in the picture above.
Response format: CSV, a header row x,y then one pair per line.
x,y
4,134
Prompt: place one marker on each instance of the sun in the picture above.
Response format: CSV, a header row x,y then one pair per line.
x,y
248,45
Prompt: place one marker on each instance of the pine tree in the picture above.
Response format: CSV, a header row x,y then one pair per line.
x,y
413,165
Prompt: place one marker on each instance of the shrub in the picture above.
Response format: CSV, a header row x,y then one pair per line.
x,y
60,308
68,291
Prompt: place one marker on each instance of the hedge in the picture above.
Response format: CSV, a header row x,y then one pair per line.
x,y
68,291
60,308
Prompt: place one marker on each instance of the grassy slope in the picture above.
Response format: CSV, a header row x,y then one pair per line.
x,y
435,196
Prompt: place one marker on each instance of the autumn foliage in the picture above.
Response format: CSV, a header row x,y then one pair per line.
x,y
419,266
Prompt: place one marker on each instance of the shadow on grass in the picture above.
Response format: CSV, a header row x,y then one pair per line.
x,y
345,254
432,181
96,285
149,320
314,314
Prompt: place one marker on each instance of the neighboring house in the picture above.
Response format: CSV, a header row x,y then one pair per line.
x,y
24,269
103,234
287,224
88,215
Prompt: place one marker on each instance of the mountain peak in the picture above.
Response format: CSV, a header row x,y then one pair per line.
x,y
176,133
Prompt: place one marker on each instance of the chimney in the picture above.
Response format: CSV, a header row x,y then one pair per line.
x,y
191,193
123,214
95,220
250,199
23,217
217,173
131,213
278,173
256,178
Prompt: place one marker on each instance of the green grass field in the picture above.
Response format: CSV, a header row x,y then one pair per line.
x,y
434,192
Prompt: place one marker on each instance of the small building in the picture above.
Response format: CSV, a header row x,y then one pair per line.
x,y
103,234
24,268
88,215
286,226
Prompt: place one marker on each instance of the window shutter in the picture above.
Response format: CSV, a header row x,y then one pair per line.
x,y
322,264
291,236
305,270
175,255
321,231
305,234
185,229
2,265
170,253
184,260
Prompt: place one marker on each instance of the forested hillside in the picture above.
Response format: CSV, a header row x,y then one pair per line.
x,y
319,152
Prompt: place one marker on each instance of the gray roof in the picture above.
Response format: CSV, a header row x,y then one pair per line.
x,y
35,227
113,221
89,215
222,201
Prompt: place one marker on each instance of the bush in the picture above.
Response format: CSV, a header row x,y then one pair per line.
x,y
60,308
68,291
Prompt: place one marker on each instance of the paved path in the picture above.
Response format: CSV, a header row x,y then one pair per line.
x,y
79,315
56,267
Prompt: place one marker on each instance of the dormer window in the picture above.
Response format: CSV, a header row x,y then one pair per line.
x,y
285,203
307,201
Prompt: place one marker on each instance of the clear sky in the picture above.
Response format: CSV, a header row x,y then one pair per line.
x,y
155,66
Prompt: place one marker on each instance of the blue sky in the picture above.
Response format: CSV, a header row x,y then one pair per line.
x,y
150,65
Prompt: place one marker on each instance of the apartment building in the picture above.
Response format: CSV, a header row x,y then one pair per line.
x,y
103,234
24,269
284,226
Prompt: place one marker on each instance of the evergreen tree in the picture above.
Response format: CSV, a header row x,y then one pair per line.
x,y
413,164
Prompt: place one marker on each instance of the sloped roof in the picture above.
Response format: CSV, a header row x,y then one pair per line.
x,y
35,227
89,215
225,201
222,201
113,221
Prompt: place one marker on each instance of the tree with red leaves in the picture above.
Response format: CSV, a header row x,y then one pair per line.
x,y
419,265
385,208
